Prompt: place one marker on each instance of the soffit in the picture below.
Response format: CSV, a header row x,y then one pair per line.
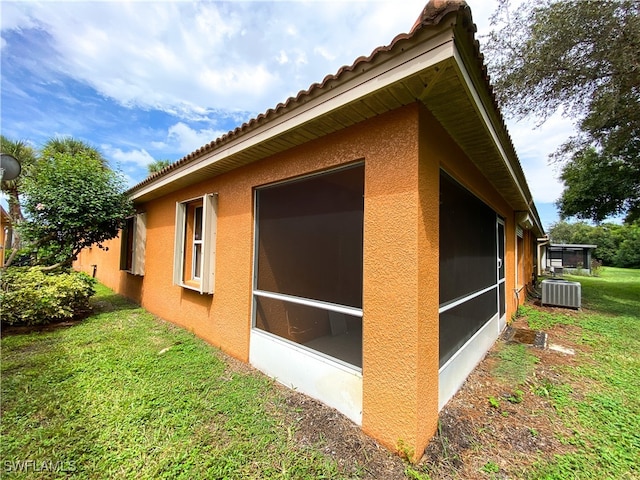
x,y
462,119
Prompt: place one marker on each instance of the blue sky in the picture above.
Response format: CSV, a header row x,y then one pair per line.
x,y
145,80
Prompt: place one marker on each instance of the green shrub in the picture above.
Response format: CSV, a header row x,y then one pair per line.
x,y
29,296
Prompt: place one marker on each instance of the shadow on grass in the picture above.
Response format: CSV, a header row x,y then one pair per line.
x,y
610,305
111,302
606,296
104,301
8,330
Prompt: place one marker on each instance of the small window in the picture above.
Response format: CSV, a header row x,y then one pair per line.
x,y
195,241
133,243
196,263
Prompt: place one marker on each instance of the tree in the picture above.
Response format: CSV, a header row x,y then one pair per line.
x,y
71,202
565,232
26,156
629,251
598,186
608,237
156,166
71,146
583,58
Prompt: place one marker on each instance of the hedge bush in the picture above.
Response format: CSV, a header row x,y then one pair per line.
x,y
29,296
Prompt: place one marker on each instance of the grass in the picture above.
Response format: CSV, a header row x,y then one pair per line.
x,y
123,395
605,417
516,364
543,320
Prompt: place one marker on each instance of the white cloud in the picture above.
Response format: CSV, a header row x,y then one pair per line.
x,y
187,139
386,18
15,16
292,30
301,58
481,10
543,182
160,145
534,145
181,56
234,81
282,57
151,63
135,157
324,53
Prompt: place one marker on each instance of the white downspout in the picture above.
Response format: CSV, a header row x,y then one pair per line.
x,y
541,243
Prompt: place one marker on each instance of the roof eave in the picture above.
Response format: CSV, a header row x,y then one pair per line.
x,y
407,57
410,69
491,149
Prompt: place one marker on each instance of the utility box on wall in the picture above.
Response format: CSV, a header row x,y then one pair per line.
x,y
561,293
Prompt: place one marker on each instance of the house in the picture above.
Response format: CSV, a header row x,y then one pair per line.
x,y
364,242
5,233
561,256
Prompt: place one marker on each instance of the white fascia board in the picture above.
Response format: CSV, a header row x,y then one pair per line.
x,y
390,71
491,128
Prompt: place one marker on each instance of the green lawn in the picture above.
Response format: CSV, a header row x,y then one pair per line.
x,y
606,419
123,395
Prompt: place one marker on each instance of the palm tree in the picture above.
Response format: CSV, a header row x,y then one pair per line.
x,y
157,165
26,156
71,146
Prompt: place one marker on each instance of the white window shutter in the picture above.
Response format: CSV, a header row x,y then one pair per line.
x,y
139,243
178,246
209,232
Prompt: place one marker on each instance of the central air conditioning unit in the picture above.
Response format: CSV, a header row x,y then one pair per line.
x,y
561,293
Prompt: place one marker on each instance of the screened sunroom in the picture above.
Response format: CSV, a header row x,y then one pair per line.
x,y
472,282
307,295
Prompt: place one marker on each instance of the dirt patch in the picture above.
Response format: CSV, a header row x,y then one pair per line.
x,y
475,440
475,432
318,426
339,438
491,429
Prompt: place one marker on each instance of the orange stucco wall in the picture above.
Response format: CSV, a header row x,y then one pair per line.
x,y
527,264
403,151
400,353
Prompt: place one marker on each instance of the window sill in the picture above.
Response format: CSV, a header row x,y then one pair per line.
x,y
193,285
131,272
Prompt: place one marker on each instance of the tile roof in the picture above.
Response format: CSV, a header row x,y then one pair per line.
x,y
498,162
432,14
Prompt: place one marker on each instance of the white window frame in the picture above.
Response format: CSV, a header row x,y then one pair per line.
x,y
309,302
206,283
297,366
138,231
196,273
